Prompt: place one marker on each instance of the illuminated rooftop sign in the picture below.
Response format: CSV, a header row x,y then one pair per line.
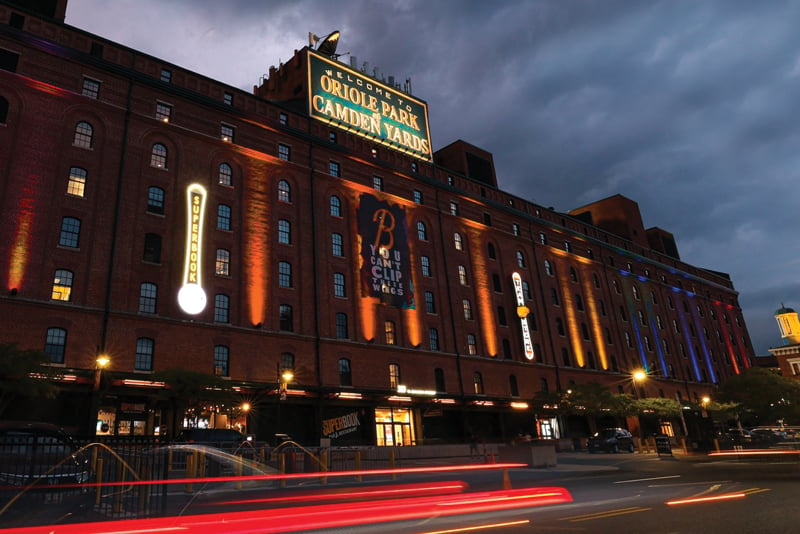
x,y
348,99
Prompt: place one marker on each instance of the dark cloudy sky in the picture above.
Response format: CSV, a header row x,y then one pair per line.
x,y
689,107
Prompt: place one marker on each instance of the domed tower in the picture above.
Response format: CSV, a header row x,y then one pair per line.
x,y
789,325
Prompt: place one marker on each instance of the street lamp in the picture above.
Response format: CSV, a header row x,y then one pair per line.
x,y
101,362
284,377
639,376
245,410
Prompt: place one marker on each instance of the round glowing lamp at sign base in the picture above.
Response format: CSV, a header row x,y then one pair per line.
x,y
192,299
523,311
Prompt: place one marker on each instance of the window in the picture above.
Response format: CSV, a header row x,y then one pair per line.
x,y
341,326
158,156
453,208
226,132
394,375
284,191
8,60
596,280
430,305
227,98
422,231
70,232
496,283
155,200
635,291
286,363
515,229
418,196
83,135
152,248
585,332
148,297
472,346
225,176
284,152
554,296
389,331
542,238
520,259
377,183
345,375
336,206
77,182
286,318
91,88
222,356
284,232
337,246
163,112
166,75
548,268
628,340
145,347
222,307
653,298
487,219
222,266
332,136
501,316
565,358
615,283
438,379
338,285
334,169
462,275
433,338
55,344
414,166
477,382
567,246
284,274
283,118
560,326
578,302
223,217
458,241
467,305
425,262
512,385
526,290
622,314
573,275
642,319
491,252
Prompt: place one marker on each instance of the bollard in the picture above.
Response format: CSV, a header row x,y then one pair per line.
x,y
323,465
99,479
358,466
282,467
191,471
391,463
506,480
716,444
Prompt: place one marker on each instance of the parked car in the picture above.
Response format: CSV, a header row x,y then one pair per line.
x,y
767,435
221,437
42,472
611,440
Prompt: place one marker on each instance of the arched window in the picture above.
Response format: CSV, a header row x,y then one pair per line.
x,y
62,285
155,200
284,191
84,134
542,238
336,206
225,176
425,264
548,268
55,344
491,251
477,382
467,305
520,259
345,374
158,156
337,244
462,275
422,231
573,275
148,297
458,241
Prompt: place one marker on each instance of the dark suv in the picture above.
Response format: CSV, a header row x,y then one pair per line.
x,y
611,440
42,472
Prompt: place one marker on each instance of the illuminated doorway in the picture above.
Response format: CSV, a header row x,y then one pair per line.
x,y
394,427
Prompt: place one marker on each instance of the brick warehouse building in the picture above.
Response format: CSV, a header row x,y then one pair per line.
x,y
167,220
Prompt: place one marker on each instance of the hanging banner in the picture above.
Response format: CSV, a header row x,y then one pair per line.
x,y
385,255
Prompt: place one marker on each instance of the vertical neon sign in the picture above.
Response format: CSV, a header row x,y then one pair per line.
x,y
522,313
192,296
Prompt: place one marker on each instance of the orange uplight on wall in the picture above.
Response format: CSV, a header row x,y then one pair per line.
x,y
594,318
572,320
19,256
256,249
483,291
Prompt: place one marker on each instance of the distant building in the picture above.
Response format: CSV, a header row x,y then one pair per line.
x,y
788,356
167,220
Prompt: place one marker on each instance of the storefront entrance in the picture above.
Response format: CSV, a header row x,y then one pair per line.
x,y
394,427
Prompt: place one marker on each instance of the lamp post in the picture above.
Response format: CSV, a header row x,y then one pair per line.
x,y
284,377
639,377
101,363
245,411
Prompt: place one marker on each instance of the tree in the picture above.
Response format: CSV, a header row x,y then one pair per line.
x,y
25,373
661,407
596,399
762,396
